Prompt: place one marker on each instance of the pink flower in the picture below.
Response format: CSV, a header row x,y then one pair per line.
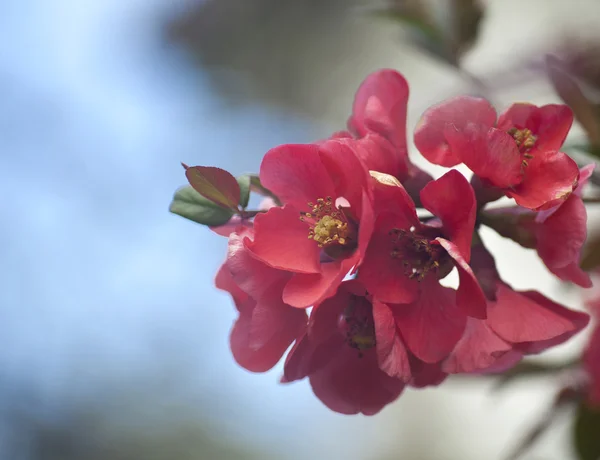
x,y
266,326
517,324
406,259
518,154
558,234
354,356
325,223
379,113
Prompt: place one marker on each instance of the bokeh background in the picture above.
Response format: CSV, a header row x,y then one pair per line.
x,y
114,340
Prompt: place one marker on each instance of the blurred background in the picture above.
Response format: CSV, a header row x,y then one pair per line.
x,y
114,340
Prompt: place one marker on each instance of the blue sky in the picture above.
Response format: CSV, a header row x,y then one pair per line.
x,y
101,285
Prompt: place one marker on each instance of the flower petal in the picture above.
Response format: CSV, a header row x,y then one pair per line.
x,y
383,275
296,174
281,241
458,111
348,174
225,282
391,353
562,235
573,273
478,349
469,295
529,317
490,153
350,384
304,290
549,179
432,325
425,374
378,154
380,107
250,274
261,336
550,123
451,198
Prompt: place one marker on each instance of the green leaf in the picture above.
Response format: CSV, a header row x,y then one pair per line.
x,y
244,183
215,184
188,203
586,433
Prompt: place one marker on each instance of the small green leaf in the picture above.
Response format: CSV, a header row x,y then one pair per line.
x,y
215,184
586,433
188,203
244,183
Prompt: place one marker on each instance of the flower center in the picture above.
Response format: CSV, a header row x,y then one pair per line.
x,y
525,140
328,224
356,323
419,254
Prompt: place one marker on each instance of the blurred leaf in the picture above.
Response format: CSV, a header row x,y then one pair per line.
x,y
413,20
215,184
586,433
244,183
528,369
569,91
467,18
591,253
188,203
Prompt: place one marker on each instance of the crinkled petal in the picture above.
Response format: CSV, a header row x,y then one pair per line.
x,y
458,111
469,295
391,352
432,325
451,198
380,107
549,179
505,362
478,349
296,174
351,384
250,274
281,241
490,153
530,317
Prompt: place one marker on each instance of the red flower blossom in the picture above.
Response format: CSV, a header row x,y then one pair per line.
x,y
354,356
379,113
558,234
324,226
518,154
406,259
266,326
517,324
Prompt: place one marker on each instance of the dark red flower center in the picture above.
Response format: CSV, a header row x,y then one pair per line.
x,y
328,224
419,254
356,323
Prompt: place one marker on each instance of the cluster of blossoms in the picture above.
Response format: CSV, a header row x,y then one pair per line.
x,y
339,265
